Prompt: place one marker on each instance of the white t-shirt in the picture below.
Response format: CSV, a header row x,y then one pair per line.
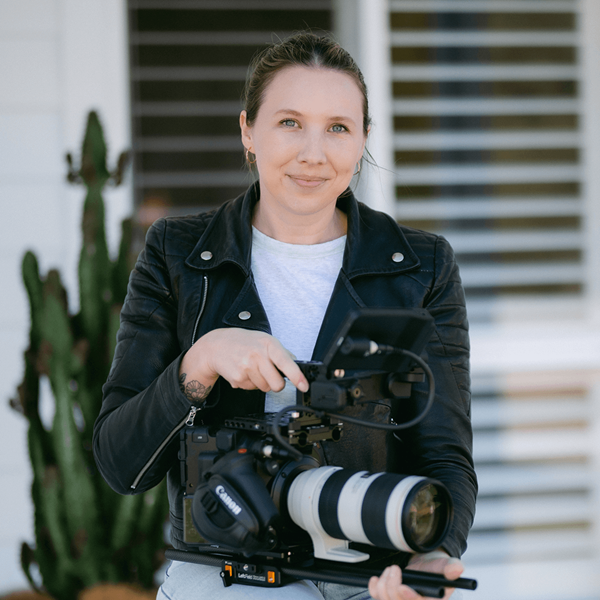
x,y
294,283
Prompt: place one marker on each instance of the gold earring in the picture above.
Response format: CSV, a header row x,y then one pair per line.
x,y
357,169
250,162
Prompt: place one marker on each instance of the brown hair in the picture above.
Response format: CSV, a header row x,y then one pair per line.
x,y
301,49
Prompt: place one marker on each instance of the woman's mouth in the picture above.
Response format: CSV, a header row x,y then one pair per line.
x,y
306,181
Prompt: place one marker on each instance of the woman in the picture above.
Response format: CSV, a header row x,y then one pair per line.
x,y
220,304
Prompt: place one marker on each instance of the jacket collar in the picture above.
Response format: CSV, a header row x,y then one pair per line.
x,y
228,237
375,244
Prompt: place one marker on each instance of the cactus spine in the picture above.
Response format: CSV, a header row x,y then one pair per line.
x,y
85,533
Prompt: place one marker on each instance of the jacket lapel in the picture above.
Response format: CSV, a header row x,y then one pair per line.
x,y
247,311
228,239
375,244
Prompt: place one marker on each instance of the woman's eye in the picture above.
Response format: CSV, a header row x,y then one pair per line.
x,y
288,122
337,128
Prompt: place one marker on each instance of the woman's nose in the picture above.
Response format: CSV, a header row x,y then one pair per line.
x,y
312,148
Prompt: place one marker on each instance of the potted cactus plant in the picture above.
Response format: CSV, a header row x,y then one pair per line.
x,y
85,534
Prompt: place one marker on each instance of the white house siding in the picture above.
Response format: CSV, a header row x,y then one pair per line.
x,y
58,60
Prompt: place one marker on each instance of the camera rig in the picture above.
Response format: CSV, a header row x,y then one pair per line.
x,y
261,504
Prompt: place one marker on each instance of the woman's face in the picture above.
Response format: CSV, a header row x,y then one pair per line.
x,y
307,137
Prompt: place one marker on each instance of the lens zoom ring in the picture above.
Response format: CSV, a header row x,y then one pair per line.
x,y
374,507
328,503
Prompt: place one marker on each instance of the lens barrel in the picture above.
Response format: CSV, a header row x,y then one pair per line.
x,y
387,510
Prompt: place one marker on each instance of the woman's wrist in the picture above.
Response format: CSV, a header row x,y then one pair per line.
x,y
195,377
195,391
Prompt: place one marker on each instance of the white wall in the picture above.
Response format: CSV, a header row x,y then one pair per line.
x,y
58,60
361,26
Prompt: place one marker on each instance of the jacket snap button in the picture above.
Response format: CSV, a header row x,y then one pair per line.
x,y
206,255
397,257
244,315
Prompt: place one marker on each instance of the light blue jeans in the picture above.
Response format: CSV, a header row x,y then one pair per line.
x,y
187,581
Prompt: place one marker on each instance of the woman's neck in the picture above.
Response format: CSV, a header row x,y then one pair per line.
x,y
300,229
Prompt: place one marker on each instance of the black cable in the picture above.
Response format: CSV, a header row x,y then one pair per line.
x,y
412,422
356,421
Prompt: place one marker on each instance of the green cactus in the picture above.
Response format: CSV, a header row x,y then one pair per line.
x,y
85,533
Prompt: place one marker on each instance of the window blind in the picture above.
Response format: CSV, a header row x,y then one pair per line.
x,y
188,65
487,142
488,152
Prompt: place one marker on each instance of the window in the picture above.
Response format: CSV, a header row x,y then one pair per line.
x,y
491,105
188,66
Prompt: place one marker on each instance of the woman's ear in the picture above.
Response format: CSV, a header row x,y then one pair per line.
x,y
362,152
246,131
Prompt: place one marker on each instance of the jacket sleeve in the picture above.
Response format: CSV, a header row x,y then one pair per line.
x,y
440,446
135,435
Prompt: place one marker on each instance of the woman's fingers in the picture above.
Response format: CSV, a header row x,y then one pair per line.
x,y
270,377
246,359
389,586
453,569
438,562
284,363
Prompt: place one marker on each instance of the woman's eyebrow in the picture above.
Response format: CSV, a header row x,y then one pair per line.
x,y
291,111
342,118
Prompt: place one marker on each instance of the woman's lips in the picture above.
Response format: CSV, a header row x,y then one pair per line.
x,y
308,182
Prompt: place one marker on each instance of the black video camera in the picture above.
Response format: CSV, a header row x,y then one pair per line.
x,y
257,489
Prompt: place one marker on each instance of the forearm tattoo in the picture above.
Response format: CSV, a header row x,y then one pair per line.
x,y
193,390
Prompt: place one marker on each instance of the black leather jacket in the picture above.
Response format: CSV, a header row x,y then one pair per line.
x,y
194,276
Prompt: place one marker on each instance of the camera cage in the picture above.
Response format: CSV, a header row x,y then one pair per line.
x,y
372,354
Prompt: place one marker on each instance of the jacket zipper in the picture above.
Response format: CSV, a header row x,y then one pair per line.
x,y
201,309
187,420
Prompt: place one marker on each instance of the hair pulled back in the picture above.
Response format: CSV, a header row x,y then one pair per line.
x,y
302,49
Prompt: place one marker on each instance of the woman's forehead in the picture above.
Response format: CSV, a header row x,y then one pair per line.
x,y
301,88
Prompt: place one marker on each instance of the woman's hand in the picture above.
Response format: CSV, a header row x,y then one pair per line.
x,y
246,359
389,585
